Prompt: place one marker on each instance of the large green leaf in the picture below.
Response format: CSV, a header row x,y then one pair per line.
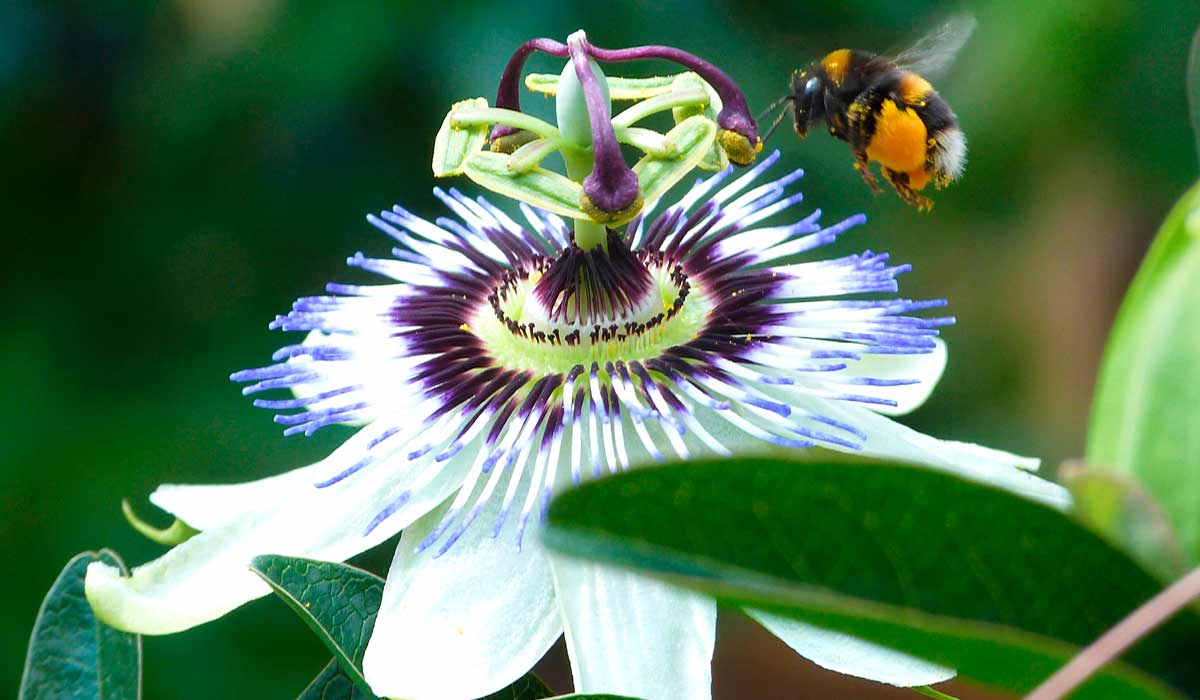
x,y
1003,589
337,601
334,684
1146,413
71,653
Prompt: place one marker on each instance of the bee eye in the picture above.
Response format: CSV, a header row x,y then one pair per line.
x,y
811,86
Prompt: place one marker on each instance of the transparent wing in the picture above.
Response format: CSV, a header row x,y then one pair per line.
x,y
933,53
1193,87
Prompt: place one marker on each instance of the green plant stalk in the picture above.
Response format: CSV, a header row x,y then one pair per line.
x,y
575,127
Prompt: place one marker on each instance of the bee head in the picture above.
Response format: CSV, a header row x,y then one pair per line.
x,y
808,100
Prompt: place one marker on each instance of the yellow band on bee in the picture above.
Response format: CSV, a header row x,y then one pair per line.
x,y
914,89
835,65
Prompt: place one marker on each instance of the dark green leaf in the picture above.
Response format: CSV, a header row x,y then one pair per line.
x,y
337,601
1147,403
593,696
73,655
334,684
1001,588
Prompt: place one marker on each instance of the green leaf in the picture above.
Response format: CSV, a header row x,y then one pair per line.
x,y
72,654
623,89
693,137
1003,589
336,601
715,159
334,684
1121,511
454,144
537,186
1147,405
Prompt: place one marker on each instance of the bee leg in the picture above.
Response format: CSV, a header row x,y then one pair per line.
x,y
899,181
864,168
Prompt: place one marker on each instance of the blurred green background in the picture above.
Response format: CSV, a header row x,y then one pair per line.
x,y
176,173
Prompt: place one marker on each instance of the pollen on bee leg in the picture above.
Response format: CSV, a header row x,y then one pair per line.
x,y
917,179
906,187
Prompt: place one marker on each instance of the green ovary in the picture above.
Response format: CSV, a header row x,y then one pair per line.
x,y
546,357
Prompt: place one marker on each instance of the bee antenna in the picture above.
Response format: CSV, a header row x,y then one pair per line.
x,y
774,106
778,118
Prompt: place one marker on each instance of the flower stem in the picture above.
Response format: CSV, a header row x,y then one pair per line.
x,y
588,234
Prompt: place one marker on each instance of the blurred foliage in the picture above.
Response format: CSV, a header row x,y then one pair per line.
x,y
176,173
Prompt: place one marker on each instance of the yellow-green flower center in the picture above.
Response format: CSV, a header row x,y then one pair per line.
x,y
520,332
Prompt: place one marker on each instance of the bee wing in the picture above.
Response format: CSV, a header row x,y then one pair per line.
x,y
1193,86
933,53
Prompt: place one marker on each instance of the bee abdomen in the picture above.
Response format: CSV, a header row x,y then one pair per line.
x,y
947,155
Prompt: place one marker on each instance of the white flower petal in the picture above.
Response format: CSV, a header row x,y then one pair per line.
x,y
207,506
850,655
628,634
466,623
888,440
925,368
207,576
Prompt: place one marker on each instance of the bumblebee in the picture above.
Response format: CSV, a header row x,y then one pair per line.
x,y
888,111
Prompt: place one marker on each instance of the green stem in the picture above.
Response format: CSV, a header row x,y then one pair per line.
x,y
691,97
647,141
932,693
574,124
588,234
507,117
